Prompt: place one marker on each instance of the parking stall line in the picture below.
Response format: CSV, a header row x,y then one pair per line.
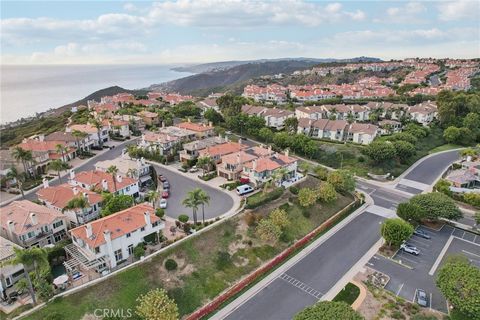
x,y
440,256
400,289
471,253
301,286
477,244
409,260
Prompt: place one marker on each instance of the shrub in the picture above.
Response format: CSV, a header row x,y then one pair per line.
x,y
294,190
307,197
171,265
472,199
139,251
223,260
159,212
259,199
250,219
183,218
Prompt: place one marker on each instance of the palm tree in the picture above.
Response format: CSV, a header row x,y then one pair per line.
x,y
79,135
204,199
204,162
20,154
153,196
113,171
97,124
279,174
31,259
58,165
191,201
77,203
60,148
19,177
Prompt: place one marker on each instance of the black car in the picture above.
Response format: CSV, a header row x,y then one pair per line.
x,y
421,233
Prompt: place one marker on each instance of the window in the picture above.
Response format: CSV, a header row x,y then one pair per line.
x,y
142,229
97,250
130,249
128,189
31,234
118,255
155,224
57,224
129,235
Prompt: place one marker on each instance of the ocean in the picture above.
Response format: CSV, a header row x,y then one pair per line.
x,y
26,90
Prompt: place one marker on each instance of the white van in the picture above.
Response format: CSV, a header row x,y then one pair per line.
x,y
244,189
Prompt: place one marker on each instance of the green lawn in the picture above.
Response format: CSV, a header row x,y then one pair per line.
x,y
445,147
348,294
199,278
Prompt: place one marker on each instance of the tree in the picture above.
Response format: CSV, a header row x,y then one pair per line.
x,y
342,180
156,305
436,205
32,259
79,135
327,310
403,136
291,124
472,122
410,212
113,170
266,134
459,281
204,199
205,163
153,197
60,148
98,125
395,231
380,151
443,186
114,203
75,203
192,201
58,166
279,218
213,116
321,172
304,166
268,231
307,197
404,150
19,177
22,155
326,192
452,134
139,251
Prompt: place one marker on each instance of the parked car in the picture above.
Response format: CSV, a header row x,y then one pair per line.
x,y
408,248
421,233
161,178
422,298
166,185
106,146
165,194
193,169
163,203
244,189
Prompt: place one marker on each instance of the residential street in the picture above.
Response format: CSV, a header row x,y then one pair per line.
x,y
313,276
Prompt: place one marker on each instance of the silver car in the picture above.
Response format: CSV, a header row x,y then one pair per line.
x,y
422,298
410,249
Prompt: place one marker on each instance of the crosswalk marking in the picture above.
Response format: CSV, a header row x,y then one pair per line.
x,y
302,286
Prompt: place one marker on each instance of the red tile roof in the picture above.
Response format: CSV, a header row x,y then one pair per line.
x,y
94,178
60,195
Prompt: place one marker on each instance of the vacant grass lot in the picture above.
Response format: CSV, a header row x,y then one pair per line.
x,y
200,275
350,156
348,294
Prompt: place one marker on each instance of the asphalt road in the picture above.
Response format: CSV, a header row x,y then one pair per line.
x,y
428,170
313,276
220,202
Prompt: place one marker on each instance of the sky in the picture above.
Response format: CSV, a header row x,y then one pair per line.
x,y
187,31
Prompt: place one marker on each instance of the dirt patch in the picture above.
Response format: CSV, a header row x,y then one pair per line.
x,y
308,182
241,261
388,251
435,225
172,279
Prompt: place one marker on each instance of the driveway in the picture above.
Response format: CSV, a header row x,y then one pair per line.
x,y
220,201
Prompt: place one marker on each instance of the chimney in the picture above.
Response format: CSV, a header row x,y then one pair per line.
x,y
139,163
45,183
104,185
142,160
269,149
85,195
75,191
210,124
89,230
188,119
33,218
240,140
41,137
254,165
287,152
147,218
106,235
11,229
238,158
119,178
72,174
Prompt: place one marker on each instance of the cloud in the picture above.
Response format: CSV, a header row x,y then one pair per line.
x,y
405,14
460,9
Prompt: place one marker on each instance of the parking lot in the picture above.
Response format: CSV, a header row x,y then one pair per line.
x,y
419,272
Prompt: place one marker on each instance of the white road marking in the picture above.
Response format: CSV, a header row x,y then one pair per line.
x,y
470,253
400,289
474,243
430,302
414,295
302,286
